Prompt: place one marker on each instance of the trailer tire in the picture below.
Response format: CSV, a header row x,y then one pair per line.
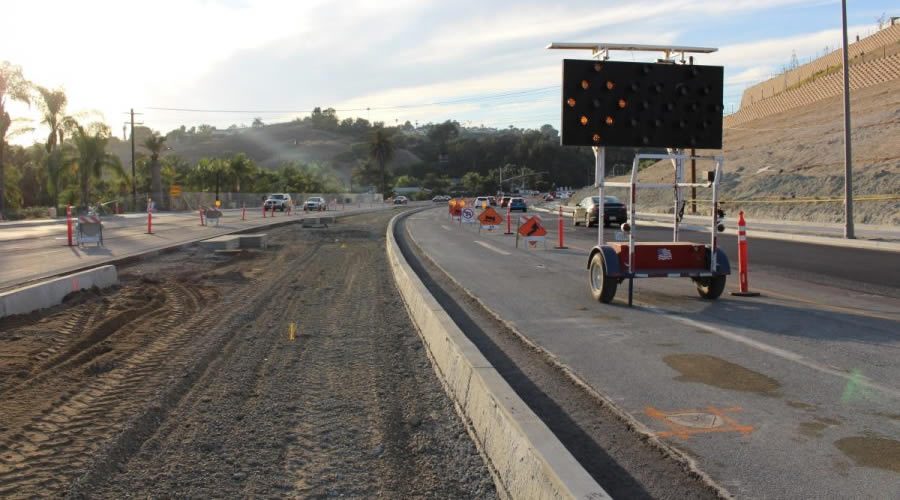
x,y
603,288
710,288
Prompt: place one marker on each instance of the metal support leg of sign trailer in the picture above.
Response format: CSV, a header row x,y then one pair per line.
x,y
599,176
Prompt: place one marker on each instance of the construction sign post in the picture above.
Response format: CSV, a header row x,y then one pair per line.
x,y
490,219
468,216
456,207
531,232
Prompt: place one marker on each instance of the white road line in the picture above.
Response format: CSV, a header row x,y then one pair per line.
x,y
777,351
445,227
492,247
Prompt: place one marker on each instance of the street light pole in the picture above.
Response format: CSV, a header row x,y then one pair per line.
x,y
848,154
133,178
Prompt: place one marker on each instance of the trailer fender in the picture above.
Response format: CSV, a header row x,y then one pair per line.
x,y
611,259
722,264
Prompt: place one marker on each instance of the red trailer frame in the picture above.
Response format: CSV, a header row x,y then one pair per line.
x,y
706,265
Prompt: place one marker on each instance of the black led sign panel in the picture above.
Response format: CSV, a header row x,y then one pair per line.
x,y
607,103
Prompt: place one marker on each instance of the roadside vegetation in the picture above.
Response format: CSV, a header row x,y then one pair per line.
x,y
81,163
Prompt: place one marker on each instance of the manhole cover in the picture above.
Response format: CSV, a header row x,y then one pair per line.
x,y
696,420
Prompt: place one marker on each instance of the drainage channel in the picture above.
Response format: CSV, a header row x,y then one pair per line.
x,y
625,462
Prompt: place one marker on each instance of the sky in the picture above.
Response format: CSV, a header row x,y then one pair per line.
x,y
478,62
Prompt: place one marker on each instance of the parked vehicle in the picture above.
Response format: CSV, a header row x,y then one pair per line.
x,y
315,204
504,201
588,210
517,204
481,201
492,200
278,201
401,200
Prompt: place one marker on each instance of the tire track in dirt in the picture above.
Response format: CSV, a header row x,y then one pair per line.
x,y
350,407
45,444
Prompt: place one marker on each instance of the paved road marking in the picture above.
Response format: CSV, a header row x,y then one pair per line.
x,y
855,378
445,227
685,423
492,247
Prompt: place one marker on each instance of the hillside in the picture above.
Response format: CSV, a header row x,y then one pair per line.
x,y
269,146
799,154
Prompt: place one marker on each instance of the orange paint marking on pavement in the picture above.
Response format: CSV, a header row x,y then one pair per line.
x,y
686,423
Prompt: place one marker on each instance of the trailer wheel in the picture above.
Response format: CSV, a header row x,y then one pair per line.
x,y
710,288
603,288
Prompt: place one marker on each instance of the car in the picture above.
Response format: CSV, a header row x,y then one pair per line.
x,y
517,204
438,199
492,200
587,211
401,200
278,201
504,201
481,201
548,197
315,204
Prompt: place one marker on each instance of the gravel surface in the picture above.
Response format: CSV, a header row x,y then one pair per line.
x,y
186,382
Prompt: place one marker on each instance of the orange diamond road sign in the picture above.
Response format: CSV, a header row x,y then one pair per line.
x,y
456,207
490,217
175,190
532,227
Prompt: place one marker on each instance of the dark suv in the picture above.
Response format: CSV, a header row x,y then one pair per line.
x,y
613,211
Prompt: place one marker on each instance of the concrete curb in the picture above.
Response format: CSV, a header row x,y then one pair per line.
x,y
155,252
526,459
51,292
887,246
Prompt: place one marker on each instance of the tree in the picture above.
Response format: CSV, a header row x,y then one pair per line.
x,y
240,168
52,104
442,133
258,123
13,87
155,144
92,157
381,151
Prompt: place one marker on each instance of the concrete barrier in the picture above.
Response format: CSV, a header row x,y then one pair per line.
x,y
525,457
254,240
51,292
222,243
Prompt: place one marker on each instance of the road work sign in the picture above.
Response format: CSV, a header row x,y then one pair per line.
x,y
468,216
490,219
456,207
175,191
531,232
532,227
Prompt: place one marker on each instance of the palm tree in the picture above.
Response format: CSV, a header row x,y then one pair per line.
x,y
15,87
239,168
53,115
381,149
155,144
92,157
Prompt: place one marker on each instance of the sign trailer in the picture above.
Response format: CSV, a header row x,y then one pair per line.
x,y
642,104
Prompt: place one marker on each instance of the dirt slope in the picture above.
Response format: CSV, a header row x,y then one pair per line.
x,y
799,154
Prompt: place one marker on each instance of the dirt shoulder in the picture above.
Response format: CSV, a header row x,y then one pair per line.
x,y
185,382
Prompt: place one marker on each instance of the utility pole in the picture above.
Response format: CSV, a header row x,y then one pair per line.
x,y
133,179
848,152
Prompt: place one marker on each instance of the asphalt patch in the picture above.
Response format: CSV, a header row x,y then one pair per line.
x,y
880,453
717,372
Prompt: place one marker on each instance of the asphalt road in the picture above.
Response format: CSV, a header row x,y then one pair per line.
x,y
30,252
793,394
